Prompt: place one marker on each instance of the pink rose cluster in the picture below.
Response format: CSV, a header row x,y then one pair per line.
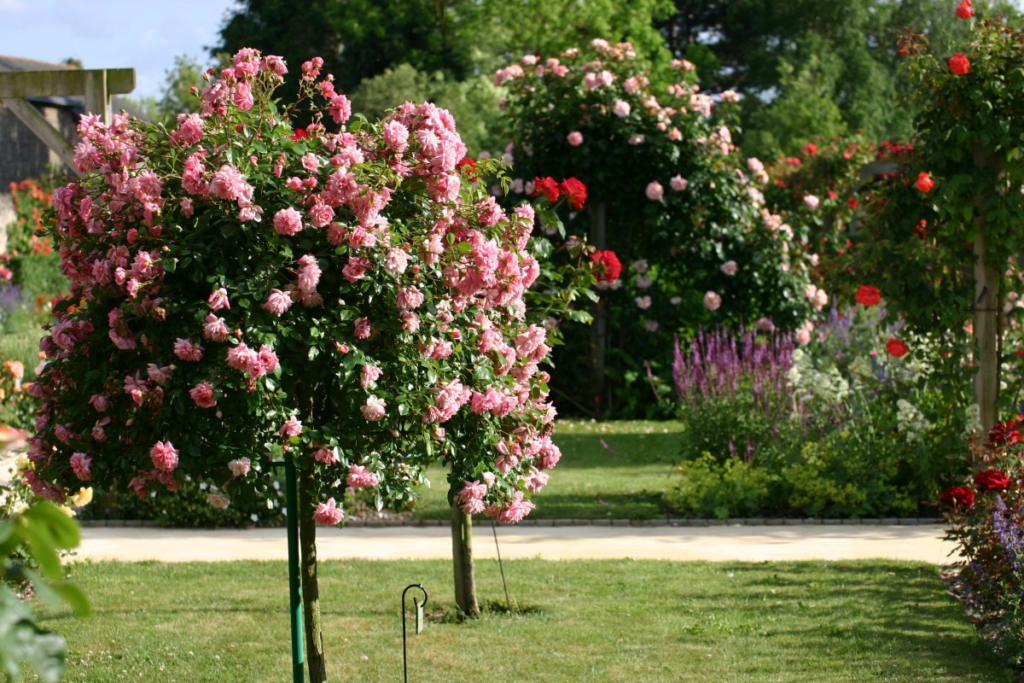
x,y
382,267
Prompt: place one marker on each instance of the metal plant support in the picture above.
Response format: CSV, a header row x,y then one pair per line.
x,y
294,580
419,623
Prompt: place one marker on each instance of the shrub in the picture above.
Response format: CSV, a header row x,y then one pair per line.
x,y
710,488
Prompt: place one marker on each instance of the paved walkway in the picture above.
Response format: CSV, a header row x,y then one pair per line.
x,y
735,543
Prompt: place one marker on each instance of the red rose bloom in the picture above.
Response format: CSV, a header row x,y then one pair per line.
x,y
467,167
924,182
300,134
607,266
965,10
959,64
576,191
991,480
852,202
958,496
547,187
896,348
811,148
868,295
1005,433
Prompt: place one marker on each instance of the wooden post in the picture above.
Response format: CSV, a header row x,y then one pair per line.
x,y
986,313
599,330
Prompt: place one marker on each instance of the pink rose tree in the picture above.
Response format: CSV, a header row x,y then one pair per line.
x,y
345,298
665,185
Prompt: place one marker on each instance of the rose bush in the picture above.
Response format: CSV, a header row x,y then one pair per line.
x,y
677,204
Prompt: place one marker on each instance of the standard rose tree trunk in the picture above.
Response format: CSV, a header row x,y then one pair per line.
x,y
462,560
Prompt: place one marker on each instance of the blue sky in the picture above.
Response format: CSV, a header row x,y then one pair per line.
x,y
142,34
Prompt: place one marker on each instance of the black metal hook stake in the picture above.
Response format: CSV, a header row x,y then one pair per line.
x,y
419,623
501,566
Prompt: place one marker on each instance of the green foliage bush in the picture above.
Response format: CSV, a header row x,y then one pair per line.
x,y
712,488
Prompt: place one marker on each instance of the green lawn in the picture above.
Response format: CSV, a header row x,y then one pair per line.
x,y
624,480
599,622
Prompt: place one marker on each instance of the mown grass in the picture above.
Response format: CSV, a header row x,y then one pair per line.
x,y
609,470
594,621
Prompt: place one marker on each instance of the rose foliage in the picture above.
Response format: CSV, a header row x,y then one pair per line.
x,y
240,289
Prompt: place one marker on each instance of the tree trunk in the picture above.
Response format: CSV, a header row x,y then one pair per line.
x,y
599,330
462,561
310,585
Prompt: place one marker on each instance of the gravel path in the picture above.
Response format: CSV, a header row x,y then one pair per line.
x,y
726,543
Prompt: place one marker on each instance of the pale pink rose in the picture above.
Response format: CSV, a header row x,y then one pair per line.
x,y
219,299
81,465
575,138
820,299
288,221
309,162
309,273
409,298
396,260
374,409
712,301
215,329
291,427
356,268
185,349
328,513
642,302
327,456
218,500
164,456
369,376
621,108
202,394
240,467
655,191
803,336
278,302
729,268
516,510
811,201
361,478
363,328
679,183
641,265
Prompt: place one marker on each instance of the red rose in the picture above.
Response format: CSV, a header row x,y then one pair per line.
x,y
959,64
958,496
991,480
868,295
811,148
852,202
576,191
1005,433
965,10
896,348
607,266
300,134
467,167
547,187
924,182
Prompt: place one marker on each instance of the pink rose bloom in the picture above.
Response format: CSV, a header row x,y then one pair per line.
x,y
99,402
396,260
81,465
309,273
309,162
202,394
328,514
678,183
321,214
325,455
164,455
219,299
655,191
190,129
621,108
729,268
242,96
803,336
268,359
244,359
185,349
642,302
341,109
396,136
370,375
355,269
712,301
229,183
215,329
409,298
291,427
288,221
361,478
374,409
240,467
278,302
363,328
811,201
575,138
516,510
